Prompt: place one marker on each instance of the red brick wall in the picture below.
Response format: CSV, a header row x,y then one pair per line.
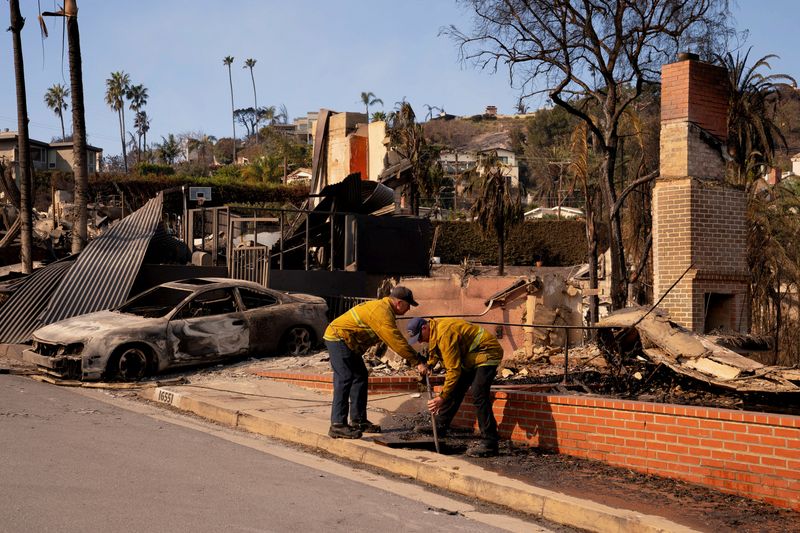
x,y
750,454
697,92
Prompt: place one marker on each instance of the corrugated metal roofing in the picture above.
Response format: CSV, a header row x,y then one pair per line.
x,y
19,314
104,273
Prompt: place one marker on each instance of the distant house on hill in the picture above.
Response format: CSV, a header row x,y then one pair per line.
x,y
301,175
467,157
46,156
559,212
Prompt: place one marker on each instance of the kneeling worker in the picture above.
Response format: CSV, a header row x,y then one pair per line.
x,y
469,355
347,338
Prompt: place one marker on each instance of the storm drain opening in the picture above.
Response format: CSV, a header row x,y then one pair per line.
x,y
419,443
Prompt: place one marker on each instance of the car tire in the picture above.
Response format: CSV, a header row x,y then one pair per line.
x,y
130,363
298,340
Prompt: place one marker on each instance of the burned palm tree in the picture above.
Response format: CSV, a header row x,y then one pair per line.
x,y
753,134
407,138
23,142
497,208
79,161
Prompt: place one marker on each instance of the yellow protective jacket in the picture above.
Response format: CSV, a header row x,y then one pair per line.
x,y
459,346
366,324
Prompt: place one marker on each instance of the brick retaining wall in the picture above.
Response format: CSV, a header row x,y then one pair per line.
x,y
751,454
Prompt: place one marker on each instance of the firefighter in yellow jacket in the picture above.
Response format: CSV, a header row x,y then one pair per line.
x,y
347,338
470,356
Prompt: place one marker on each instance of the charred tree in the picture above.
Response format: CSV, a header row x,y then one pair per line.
x,y
593,58
23,143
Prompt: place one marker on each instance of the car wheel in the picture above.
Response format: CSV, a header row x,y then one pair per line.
x,y
130,364
298,341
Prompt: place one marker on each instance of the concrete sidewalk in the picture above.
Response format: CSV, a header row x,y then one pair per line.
x,y
301,416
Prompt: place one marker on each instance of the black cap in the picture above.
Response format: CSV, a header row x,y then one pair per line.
x,y
405,294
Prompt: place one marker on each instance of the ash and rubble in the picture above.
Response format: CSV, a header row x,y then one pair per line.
x,y
52,229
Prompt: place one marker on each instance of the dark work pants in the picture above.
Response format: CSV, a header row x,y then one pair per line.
x,y
480,379
349,383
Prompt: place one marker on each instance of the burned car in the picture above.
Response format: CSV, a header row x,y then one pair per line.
x,y
176,324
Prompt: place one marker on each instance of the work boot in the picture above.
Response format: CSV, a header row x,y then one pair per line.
x,y
427,429
482,449
343,431
366,426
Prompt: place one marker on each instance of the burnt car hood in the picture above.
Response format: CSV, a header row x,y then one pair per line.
x,y
81,327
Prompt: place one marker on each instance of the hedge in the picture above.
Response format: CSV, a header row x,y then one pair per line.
x,y
554,242
139,189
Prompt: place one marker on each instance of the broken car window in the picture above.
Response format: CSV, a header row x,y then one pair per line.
x,y
253,299
155,303
216,302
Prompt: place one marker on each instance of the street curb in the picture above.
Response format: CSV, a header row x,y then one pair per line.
x,y
490,487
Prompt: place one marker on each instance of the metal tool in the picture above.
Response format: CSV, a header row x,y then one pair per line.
x,y
433,417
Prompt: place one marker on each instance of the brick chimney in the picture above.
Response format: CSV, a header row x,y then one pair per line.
x,y
697,219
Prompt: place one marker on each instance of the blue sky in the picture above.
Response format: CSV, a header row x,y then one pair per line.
x,y
310,54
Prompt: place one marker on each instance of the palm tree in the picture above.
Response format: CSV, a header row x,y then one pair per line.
x,y
23,142
228,61
250,63
283,115
378,116
56,99
496,209
430,108
269,114
368,99
170,149
117,87
142,124
137,95
753,135
203,145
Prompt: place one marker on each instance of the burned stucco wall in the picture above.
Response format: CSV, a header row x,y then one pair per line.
x,y
377,148
453,295
347,151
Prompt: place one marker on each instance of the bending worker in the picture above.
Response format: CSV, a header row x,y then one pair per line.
x,y
347,338
469,355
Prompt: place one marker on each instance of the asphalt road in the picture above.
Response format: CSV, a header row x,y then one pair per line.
x,y
75,460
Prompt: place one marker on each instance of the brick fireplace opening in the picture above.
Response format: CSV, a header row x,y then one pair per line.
x,y
699,224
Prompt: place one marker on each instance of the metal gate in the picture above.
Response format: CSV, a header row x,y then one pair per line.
x,y
250,263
